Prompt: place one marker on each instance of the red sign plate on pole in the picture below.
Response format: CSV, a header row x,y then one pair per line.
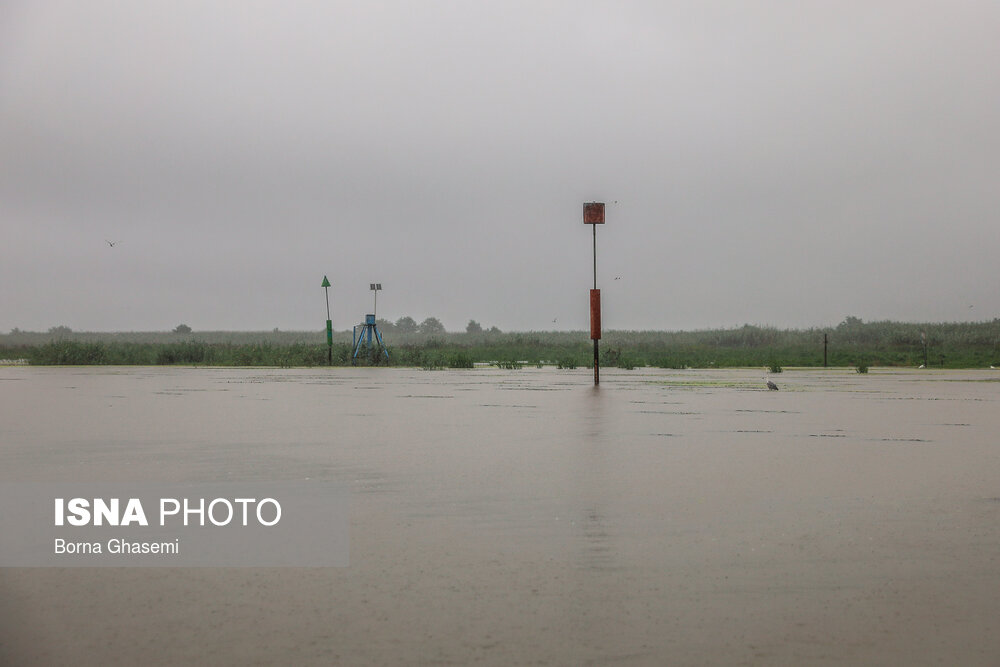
x,y
595,314
593,213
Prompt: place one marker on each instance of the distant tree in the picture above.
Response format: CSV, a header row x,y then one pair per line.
x,y
406,325
60,330
473,327
182,329
494,330
431,325
385,325
15,331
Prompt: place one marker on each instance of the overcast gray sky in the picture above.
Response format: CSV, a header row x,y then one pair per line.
x,y
779,163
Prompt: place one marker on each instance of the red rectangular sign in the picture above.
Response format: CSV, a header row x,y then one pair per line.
x,y
593,213
595,314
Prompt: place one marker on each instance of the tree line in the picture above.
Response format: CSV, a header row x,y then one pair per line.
x,y
430,326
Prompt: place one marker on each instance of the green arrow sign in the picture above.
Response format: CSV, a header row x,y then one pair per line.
x,y
326,283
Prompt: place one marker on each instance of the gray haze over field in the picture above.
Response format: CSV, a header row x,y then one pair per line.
x,y
783,163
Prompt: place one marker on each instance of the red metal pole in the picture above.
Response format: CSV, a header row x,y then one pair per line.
x,y
595,330
593,214
595,316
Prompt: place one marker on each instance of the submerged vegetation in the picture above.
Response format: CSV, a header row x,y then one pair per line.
x,y
853,343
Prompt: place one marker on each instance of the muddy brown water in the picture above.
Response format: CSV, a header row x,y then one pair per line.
x,y
524,517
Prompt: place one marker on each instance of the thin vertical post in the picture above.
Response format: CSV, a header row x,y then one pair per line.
x,y
597,357
329,323
824,350
593,214
329,330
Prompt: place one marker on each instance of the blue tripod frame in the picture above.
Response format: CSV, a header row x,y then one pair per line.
x,y
368,330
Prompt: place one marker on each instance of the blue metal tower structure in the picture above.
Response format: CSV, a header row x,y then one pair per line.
x,y
369,331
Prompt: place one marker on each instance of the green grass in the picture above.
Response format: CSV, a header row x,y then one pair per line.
x,y
950,345
68,352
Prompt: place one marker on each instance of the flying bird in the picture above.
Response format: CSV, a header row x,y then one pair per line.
x,y
111,244
618,277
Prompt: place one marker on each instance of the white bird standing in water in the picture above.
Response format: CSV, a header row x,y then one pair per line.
x,y
770,385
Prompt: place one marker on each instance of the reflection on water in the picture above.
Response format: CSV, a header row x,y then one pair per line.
x,y
526,516
598,549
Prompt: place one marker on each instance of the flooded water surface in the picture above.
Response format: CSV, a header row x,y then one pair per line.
x,y
526,517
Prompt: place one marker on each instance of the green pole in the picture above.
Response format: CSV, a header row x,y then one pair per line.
x,y
329,323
